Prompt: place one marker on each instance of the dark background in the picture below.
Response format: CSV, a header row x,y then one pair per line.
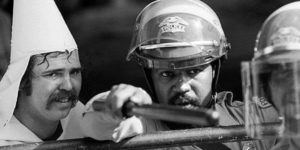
x,y
103,28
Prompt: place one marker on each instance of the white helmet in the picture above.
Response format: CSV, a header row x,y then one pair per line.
x,y
273,76
176,34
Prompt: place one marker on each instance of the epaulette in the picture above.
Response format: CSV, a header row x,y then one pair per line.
x,y
261,102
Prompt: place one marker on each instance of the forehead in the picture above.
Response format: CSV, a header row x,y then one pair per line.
x,y
57,60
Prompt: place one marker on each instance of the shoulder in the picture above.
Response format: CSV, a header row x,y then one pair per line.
x,y
231,112
225,99
16,133
235,109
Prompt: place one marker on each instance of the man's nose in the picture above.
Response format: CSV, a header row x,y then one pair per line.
x,y
182,84
66,83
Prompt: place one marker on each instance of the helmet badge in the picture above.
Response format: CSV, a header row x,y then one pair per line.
x,y
173,24
285,35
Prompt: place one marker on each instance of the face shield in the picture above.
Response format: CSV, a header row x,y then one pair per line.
x,y
273,81
272,77
176,34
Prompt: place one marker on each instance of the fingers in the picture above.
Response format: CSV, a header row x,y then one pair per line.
x,y
121,93
141,97
128,128
99,125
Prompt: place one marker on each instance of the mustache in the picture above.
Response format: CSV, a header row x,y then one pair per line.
x,y
63,95
71,96
183,99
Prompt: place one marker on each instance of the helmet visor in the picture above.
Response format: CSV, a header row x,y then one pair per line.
x,y
178,37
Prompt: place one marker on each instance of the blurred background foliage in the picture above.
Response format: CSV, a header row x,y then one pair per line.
x,y
103,28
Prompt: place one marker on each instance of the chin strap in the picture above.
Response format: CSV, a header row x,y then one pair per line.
x,y
216,66
214,99
147,73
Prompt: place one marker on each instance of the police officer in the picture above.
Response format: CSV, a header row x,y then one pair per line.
x,y
275,71
180,45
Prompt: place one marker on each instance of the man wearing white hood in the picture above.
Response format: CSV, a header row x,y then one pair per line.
x,y
43,79
39,91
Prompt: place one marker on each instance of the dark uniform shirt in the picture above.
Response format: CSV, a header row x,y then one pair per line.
x,y
232,113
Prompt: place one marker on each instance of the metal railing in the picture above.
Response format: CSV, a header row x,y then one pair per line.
x,y
156,140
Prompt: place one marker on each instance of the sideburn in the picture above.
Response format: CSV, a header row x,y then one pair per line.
x,y
25,85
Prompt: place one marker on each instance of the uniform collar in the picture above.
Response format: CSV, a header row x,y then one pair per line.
x,y
225,96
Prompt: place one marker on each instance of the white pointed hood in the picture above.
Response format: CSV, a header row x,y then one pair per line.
x,y
38,27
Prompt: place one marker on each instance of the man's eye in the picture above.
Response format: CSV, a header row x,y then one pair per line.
x,y
193,71
167,74
52,75
76,72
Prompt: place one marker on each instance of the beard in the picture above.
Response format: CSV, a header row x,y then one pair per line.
x,y
186,102
63,97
